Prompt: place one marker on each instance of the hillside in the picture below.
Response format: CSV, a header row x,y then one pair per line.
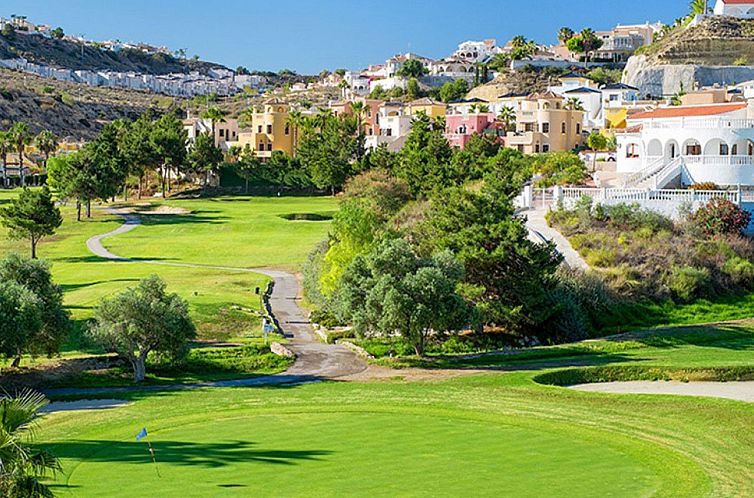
x,y
716,41
69,109
717,51
66,54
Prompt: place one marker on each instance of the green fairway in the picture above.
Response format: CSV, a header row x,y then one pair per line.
x,y
502,434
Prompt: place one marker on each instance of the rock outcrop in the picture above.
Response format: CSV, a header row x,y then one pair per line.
x,y
717,50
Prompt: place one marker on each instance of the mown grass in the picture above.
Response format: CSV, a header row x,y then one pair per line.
x,y
481,435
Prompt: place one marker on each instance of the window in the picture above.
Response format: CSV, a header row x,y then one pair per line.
x,y
269,129
693,150
614,98
269,146
261,147
287,129
632,151
563,128
545,147
259,129
578,128
735,150
536,149
724,149
545,127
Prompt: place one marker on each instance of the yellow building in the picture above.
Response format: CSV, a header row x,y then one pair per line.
x,y
428,106
269,130
543,124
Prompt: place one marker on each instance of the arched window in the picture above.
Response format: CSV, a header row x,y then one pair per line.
x,y
563,128
632,151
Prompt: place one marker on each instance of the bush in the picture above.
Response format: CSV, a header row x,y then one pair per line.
x,y
720,216
687,283
740,271
704,186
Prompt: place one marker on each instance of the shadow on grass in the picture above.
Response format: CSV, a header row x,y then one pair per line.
x,y
208,455
73,287
98,259
201,217
733,336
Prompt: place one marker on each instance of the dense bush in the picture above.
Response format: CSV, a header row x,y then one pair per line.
x,y
720,216
687,282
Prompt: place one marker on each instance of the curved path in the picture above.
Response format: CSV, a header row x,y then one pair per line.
x,y
314,360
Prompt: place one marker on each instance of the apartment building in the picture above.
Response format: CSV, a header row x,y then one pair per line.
x,y
269,130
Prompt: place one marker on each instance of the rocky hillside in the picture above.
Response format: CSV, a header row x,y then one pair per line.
x,y
524,80
66,54
719,50
68,109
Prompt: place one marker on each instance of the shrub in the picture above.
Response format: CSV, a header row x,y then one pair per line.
x,y
720,216
740,270
704,186
687,283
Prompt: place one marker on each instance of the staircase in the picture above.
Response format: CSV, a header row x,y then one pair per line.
x,y
655,176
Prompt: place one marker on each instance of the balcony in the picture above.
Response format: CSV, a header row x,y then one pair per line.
x,y
699,124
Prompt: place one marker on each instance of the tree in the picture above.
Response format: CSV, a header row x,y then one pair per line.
x,y
108,167
32,215
412,68
21,136
47,143
392,290
215,115
584,43
597,142
558,168
521,48
138,149
169,139
573,104
8,31
204,157
507,116
699,7
143,320
247,166
328,149
425,157
499,62
21,313
565,34
413,89
6,145
57,33
507,275
454,91
35,276
24,465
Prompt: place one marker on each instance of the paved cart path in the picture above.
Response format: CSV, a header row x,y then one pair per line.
x,y
314,360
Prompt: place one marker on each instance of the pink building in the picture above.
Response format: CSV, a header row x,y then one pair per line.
x,y
460,127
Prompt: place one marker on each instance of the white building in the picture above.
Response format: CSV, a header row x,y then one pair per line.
x,y
476,51
743,9
693,144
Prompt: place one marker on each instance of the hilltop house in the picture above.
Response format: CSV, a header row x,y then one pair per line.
x,y
688,144
743,9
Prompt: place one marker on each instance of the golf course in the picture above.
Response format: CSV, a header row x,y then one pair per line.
x,y
498,424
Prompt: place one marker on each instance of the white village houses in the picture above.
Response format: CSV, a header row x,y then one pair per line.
x,y
689,145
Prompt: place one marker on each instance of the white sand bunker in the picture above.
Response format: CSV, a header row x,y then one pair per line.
x,y
741,391
83,404
145,208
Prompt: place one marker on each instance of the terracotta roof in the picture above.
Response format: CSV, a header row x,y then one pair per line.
x,y
690,111
425,101
738,2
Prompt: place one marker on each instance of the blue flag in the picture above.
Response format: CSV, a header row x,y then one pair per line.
x,y
142,434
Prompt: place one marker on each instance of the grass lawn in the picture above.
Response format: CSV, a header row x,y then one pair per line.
x,y
497,434
233,231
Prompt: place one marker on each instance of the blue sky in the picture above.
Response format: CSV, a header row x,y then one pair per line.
x,y
308,35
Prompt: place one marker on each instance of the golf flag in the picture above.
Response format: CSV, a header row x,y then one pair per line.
x,y
142,434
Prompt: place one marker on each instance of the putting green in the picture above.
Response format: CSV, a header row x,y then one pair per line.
x,y
364,454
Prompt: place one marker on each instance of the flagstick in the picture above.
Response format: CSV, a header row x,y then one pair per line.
x,y
151,452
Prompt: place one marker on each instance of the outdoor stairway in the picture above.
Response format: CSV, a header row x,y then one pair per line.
x,y
655,176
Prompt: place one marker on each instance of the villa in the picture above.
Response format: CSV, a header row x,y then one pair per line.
x,y
688,144
743,9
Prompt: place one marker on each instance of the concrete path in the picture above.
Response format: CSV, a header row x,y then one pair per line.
x,y
741,391
314,360
540,231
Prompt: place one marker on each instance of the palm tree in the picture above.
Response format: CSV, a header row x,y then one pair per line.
x,y
343,85
21,137
215,115
565,34
22,465
358,109
5,147
699,7
47,143
573,104
295,119
508,117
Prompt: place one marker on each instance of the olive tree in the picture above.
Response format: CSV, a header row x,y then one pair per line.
x,y
143,320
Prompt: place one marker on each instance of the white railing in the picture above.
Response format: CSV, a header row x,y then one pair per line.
x,y
699,123
656,164
632,195
666,174
719,160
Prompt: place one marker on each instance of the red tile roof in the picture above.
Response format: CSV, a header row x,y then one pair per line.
x,y
690,111
738,2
